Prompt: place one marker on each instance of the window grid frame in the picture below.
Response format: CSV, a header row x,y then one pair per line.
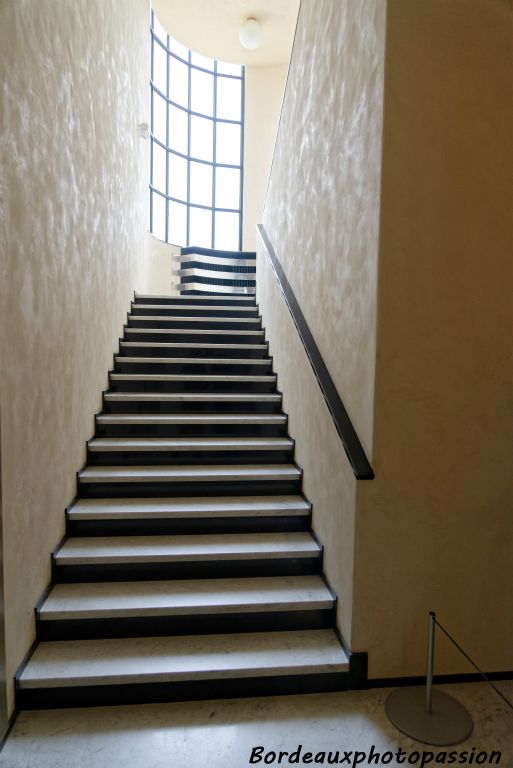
x,y
155,40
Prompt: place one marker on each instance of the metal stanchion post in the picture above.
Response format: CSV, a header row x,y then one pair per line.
x,y
430,660
427,714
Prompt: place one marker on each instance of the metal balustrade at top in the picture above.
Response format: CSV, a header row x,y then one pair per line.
x,y
211,271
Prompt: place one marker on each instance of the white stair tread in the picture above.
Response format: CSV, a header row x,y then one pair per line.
x,y
101,444
214,397
185,319
190,377
191,418
173,597
176,473
180,548
198,657
195,331
189,345
193,360
186,299
195,307
201,506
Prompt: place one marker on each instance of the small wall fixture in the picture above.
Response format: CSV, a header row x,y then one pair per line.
x,y
143,130
250,34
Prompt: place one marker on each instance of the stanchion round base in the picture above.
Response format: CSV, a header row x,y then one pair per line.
x,y
449,722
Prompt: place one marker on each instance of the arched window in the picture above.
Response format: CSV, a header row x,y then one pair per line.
x,y
197,144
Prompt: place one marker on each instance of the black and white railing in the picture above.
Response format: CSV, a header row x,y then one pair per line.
x,y
206,270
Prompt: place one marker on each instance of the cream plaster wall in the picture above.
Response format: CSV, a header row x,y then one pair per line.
x,y
322,210
328,480
73,194
160,278
264,88
421,350
435,528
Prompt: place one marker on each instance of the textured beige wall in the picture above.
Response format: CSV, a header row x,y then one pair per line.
x,y
73,212
328,480
322,210
264,88
430,390
435,528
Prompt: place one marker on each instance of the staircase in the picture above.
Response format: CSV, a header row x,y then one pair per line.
x,y
189,569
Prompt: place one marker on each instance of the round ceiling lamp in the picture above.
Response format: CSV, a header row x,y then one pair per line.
x,y
250,34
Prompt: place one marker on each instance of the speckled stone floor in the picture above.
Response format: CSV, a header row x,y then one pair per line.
x,y
223,733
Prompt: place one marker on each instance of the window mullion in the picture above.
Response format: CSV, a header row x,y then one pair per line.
x,y
214,158
241,175
189,151
167,145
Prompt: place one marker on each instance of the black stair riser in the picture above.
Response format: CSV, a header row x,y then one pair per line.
x,y
199,569
211,324
188,690
141,309
175,335
204,387
198,299
191,430
251,353
162,526
199,406
242,270
196,369
191,624
191,488
134,458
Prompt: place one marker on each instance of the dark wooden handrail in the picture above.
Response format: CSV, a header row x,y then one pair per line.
x,y
350,440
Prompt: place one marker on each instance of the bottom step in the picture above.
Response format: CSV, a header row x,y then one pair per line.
x,y
155,669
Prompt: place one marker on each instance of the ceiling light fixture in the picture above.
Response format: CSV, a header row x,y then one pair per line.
x,y
250,34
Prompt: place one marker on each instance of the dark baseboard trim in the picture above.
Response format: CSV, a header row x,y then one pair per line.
x,y
468,677
358,664
10,725
352,446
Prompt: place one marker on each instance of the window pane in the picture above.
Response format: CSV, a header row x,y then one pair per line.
x,y
178,82
159,118
179,49
228,143
227,231
177,176
201,184
229,69
177,225
158,216
200,233
159,30
227,188
159,67
158,171
178,129
202,92
202,61
228,98
202,138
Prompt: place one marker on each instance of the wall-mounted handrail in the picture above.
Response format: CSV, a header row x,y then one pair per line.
x,y
352,445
